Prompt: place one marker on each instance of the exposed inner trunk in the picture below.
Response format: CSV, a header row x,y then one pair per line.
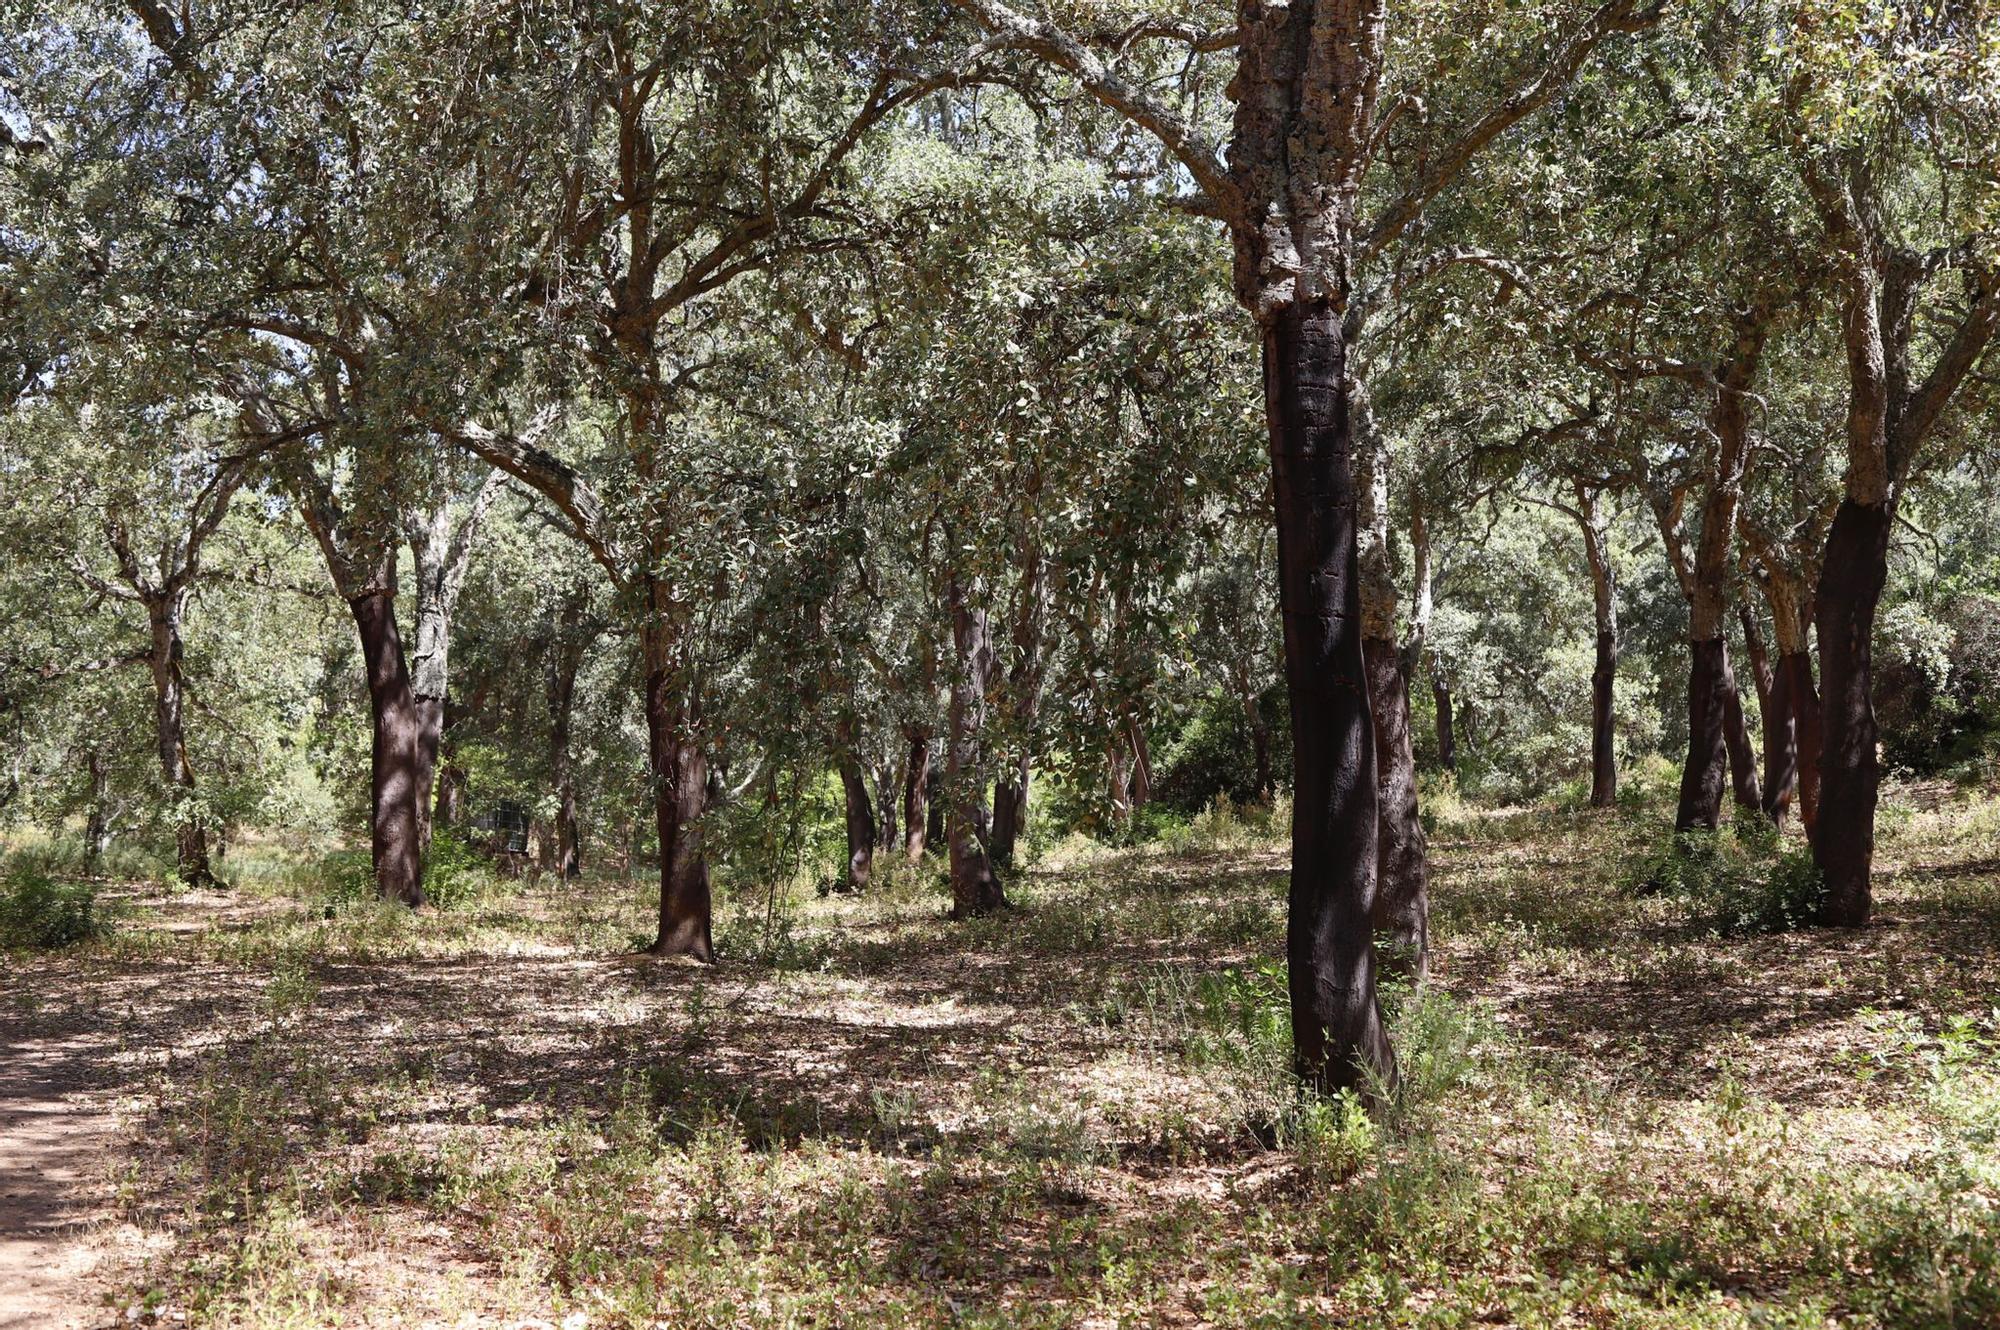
x,y
1338,1035
398,762
1850,587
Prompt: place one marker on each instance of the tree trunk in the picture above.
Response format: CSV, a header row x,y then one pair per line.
x,y
1774,705
1010,811
974,888
1402,882
96,825
1402,893
1707,756
1604,677
1142,763
887,831
1736,741
860,814
1781,748
1337,1033
1760,659
916,793
190,836
1791,726
1447,741
397,766
1714,708
1260,744
1807,720
1850,587
563,667
1118,780
680,791
440,555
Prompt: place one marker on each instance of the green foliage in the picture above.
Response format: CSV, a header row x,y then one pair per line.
x,y
1211,754
1738,880
37,910
456,876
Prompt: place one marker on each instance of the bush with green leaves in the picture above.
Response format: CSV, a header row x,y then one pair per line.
x,y
1739,880
38,911
455,874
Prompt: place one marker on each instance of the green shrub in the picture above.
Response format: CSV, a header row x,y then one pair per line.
x,y
1737,881
38,911
455,875
345,877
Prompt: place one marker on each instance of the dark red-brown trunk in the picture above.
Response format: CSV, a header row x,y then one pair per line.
x,y
1806,719
1402,887
1706,767
679,776
1337,1032
1736,742
1603,736
1010,812
397,767
1850,588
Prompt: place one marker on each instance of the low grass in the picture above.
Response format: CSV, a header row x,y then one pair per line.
x,y
1616,1110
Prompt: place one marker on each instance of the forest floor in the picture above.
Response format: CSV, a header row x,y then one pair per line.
x,y
278,1108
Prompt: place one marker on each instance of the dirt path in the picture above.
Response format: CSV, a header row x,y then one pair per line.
x,y
56,1146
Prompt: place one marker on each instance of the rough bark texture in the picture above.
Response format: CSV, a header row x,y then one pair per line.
x,y
1850,587
1791,725
975,890
1338,1037
888,827
397,763
1260,736
1705,581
